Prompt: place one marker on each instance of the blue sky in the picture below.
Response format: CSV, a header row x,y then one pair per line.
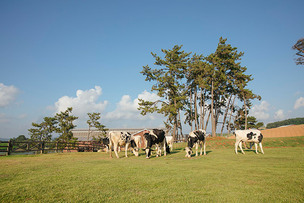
x,y
89,54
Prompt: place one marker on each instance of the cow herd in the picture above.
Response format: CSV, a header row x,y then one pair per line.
x,y
157,138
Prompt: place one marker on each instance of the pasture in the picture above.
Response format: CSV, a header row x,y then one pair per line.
x,y
221,176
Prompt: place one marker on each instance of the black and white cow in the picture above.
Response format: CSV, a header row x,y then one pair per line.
x,y
251,136
156,137
121,139
196,137
170,141
105,141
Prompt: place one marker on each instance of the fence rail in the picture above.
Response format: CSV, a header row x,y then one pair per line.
x,y
9,147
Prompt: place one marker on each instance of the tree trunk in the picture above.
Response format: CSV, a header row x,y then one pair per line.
x,y
207,121
190,114
212,113
195,108
175,123
202,109
225,115
180,125
232,106
245,106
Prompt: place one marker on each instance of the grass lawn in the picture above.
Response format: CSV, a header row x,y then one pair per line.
x,y
221,176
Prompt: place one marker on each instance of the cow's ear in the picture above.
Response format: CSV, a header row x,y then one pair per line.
x,y
121,132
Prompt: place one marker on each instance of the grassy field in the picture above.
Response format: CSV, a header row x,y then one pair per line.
x,y
221,176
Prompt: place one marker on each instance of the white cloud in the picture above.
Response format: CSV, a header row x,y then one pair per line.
x,y
299,103
260,111
279,114
86,101
127,108
7,94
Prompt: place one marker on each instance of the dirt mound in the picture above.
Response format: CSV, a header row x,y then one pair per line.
x,y
284,131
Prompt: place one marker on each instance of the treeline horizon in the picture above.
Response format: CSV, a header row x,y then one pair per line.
x,y
291,121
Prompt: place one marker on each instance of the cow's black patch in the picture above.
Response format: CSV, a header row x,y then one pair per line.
x,y
105,141
192,141
250,135
133,144
260,138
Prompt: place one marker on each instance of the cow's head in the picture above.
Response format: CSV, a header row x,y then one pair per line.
x,y
135,148
188,152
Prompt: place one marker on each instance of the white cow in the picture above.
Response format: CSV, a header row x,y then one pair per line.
x,y
118,139
170,141
251,136
137,140
196,137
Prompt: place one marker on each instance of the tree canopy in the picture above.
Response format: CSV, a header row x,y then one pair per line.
x,y
197,84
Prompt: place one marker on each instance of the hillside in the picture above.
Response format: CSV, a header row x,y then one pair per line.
x,y
285,131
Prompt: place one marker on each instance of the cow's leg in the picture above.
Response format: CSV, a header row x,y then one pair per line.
x,y
204,147
115,149
240,145
110,147
196,149
165,150
201,147
236,146
261,148
148,152
158,150
126,149
256,148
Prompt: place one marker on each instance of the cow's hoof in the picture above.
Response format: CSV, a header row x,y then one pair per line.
x,y
147,157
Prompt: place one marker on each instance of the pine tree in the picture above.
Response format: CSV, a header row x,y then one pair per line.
x,y
43,131
168,85
93,122
65,123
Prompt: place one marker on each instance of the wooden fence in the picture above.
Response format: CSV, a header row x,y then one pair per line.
x,y
10,147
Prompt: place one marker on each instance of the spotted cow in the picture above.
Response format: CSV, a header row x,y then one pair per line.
x,y
118,139
251,136
156,137
197,138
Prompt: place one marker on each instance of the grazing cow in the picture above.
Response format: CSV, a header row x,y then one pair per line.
x,y
121,139
156,137
170,141
105,141
251,136
196,137
137,140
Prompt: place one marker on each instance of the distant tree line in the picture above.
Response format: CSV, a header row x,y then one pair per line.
x,y
204,87
292,121
62,124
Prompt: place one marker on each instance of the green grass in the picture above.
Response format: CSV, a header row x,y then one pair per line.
x,y
221,176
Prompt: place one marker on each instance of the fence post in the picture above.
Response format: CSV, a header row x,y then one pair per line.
x,y
9,147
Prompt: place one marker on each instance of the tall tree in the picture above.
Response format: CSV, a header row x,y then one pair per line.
x,y
168,85
43,131
94,122
299,47
65,123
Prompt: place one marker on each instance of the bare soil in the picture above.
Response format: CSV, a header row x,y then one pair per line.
x,y
285,131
